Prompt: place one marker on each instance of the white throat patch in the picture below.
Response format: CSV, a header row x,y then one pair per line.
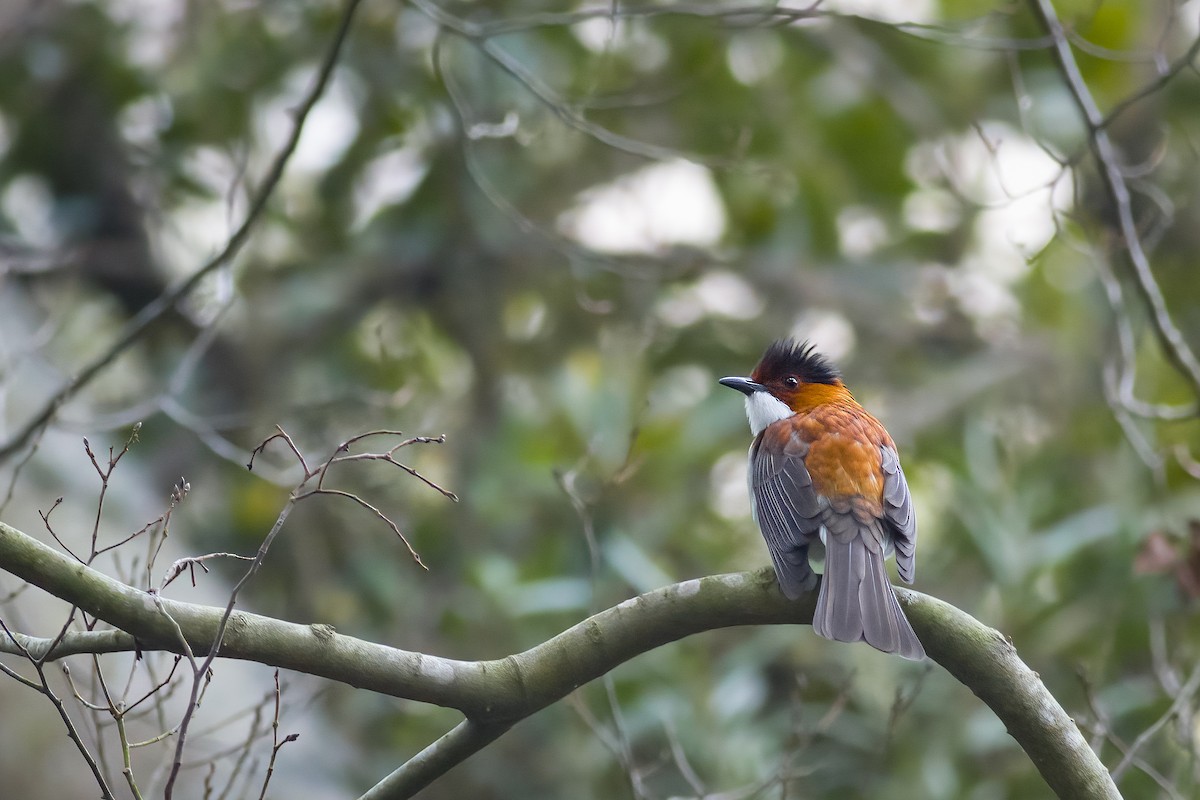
x,y
762,408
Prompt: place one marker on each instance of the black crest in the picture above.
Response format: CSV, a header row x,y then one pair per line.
x,y
789,357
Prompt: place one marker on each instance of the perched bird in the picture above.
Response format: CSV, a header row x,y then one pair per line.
x,y
822,467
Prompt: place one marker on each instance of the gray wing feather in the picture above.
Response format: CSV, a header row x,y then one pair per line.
x,y
898,513
787,510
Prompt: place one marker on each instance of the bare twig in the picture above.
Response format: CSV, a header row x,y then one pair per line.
x,y
72,732
1103,732
158,686
50,529
243,750
374,510
66,669
682,765
483,40
1109,162
1123,377
1101,723
35,442
1158,84
190,563
746,15
389,457
1182,700
616,742
280,433
903,700
153,311
163,522
201,671
277,743
202,668
342,455
105,474
163,303
750,14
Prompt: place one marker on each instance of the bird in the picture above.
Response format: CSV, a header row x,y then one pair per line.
x,y
822,469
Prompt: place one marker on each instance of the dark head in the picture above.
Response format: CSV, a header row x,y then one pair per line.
x,y
798,361
795,374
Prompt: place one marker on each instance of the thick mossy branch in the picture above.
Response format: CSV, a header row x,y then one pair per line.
x,y
987,663
493,694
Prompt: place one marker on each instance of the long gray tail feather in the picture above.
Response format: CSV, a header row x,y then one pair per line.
x,y
857,602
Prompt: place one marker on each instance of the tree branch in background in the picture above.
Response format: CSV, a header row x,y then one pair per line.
x,y
1108,161
495,694
1166,76
200,668
276,743
42,686
137,327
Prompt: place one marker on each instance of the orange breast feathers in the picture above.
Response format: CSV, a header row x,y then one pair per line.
x,y
843,458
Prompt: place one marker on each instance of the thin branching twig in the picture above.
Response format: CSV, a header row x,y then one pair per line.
x,y
1174,345
164,302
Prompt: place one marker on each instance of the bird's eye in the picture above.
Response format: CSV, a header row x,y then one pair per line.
x,y
791,381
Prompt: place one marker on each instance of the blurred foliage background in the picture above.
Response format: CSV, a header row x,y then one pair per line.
x,y
545,232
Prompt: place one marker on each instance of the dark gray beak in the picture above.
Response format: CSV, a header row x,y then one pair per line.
x,y
743,385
